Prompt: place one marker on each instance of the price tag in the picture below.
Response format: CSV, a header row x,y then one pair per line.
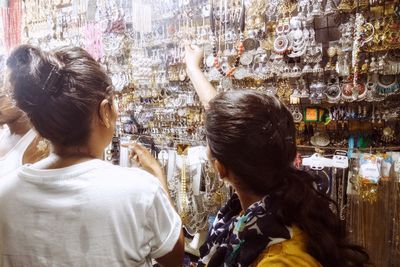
x,y
317,162
340,160
397,165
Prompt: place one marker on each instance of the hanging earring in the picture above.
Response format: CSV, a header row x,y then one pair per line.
x,y
297,115
331,53
365,66
345,6
346,65
329,8
397,10
282,43
317,8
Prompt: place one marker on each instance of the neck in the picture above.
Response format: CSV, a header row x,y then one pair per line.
x,y
76,152
247,198
68,156
19,126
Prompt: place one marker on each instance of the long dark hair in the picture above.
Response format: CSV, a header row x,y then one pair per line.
x,y
59,90
253,135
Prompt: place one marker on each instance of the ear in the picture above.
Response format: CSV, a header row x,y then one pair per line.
x,y
221,169
105,113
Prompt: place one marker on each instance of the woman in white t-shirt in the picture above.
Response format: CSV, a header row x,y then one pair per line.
x,y
19,143
72,208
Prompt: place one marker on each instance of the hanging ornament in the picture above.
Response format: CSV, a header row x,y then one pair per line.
x,y
397,10
330,8
230,70
282,43
331,53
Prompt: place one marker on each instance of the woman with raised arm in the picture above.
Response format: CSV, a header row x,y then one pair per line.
x,y
276,217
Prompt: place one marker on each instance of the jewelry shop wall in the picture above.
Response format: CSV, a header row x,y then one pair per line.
x,y
335,63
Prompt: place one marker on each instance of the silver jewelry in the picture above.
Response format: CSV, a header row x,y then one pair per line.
x,y
210,61
297,115
240,73
333,93
226,83
246,59
317,8
330,8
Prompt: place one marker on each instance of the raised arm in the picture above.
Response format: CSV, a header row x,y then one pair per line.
x,y
204,89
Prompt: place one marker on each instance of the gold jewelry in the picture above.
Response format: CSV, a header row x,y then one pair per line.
x,y
182,150
287,8
284,90
42,145
345,6
331,53
367,191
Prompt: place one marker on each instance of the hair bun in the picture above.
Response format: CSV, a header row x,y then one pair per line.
x,y
20,57
27,64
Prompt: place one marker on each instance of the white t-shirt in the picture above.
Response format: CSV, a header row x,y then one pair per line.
x,y
90,214
13,159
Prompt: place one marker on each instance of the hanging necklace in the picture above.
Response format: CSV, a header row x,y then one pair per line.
x,y
229,70
182,150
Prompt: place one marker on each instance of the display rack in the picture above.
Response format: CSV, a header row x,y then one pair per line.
x,y
335,63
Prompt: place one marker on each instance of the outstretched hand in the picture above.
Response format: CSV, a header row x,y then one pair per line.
x,y
193,56
144,159
204,89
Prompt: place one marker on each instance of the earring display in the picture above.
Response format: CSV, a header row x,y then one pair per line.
x,y
335,64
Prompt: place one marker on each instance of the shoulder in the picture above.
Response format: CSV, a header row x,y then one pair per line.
x,y
116,175
132,183
288,253
133,189
8,182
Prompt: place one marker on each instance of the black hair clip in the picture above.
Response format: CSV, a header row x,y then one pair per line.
x,y
54,77
267,127
274,136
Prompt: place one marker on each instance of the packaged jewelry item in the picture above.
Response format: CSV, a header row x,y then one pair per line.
x,y
366,181
370,168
